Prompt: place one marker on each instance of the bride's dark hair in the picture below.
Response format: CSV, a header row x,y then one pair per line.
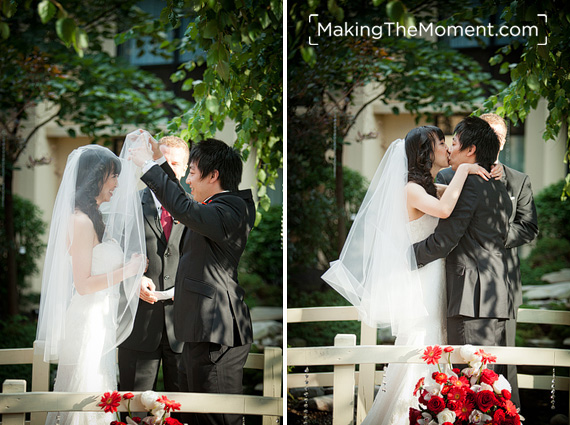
x,y
95,166
420,143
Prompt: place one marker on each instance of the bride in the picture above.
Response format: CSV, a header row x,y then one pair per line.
x,y
377,270
94,262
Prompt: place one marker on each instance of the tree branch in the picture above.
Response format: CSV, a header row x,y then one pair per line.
x,y
36,128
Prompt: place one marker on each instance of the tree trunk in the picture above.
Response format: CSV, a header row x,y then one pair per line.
x,y
12,277
339,192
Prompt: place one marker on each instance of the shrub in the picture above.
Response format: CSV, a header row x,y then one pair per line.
x,y
263,254
553,214
29,227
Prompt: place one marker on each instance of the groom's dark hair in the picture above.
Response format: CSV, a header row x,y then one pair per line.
x,y
213,154
473,131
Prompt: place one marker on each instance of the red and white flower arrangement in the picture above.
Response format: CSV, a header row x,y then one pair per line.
x,y
158,407
474,396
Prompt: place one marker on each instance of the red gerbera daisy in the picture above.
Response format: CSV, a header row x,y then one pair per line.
x,y
464,410
110,402
432,354
169,405
456,393
485,357
418,385
510,408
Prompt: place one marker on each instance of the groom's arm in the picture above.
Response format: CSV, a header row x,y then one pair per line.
x,y
449,232
524,227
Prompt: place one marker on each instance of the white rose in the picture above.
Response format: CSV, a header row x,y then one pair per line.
x,y
149,400
467,352
446,415
502,384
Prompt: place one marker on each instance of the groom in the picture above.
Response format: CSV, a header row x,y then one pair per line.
x,y
210,315
472,240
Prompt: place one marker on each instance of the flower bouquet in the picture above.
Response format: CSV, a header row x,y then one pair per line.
x,y
474,396
158,407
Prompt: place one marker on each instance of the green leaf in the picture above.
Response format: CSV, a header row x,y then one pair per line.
x,y
199,89
187,85
212,104
65,27
80,41
395,10
309,56
532,82
9,8
46,10
4,30
210,30
377,2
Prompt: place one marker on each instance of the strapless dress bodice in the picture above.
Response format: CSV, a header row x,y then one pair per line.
x,y
422,227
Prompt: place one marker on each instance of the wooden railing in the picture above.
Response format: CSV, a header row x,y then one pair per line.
x,y
368,377
15,402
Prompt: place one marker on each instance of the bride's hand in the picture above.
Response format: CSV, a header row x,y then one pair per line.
x,y
147,288
476,169
136,264
497,171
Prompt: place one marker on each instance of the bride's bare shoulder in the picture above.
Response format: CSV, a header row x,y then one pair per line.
x,y
80,220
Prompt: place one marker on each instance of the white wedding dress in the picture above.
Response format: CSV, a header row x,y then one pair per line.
x,y
391,406
84,366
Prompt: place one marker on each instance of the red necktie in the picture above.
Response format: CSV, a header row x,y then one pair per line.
x,y
166,222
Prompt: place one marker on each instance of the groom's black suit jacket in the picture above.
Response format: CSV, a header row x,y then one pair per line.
x,y
208,301
472,240
523,225
163,256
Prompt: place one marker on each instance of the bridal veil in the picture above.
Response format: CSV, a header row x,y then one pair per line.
x,y
377,270
123,226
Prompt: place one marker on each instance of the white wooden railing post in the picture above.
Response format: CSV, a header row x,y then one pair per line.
x,y
272,376
368,336
40,383
14,386
344,382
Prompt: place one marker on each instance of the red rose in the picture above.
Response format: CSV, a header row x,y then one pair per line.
x,y
439,377
432,354
436,404
499,417
136,419
448,349
506,394
117,423
172,421
456,370
485,400
110,402
128,396
414,415
489,377
453,405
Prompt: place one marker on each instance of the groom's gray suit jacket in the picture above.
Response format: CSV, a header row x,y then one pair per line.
x,y
472,240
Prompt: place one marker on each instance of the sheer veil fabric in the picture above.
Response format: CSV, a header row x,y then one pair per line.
x,y
122,238
377,270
